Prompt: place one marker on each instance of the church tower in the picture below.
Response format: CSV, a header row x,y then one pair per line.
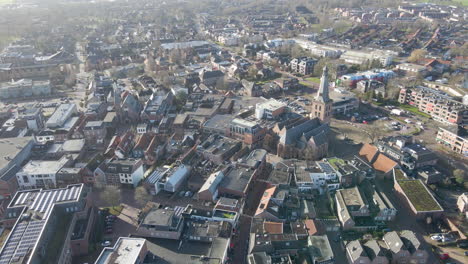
x,y
322,105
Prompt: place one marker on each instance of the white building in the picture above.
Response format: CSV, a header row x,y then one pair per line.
x,y
270,109
363,56
170,179
40,173
61,115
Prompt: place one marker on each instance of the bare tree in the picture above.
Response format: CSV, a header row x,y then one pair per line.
x,y
375,131
110,195
142,196
416,55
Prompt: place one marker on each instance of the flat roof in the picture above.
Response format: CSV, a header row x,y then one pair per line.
x,y
419,196
126,250
10,147
43,166
27,231
168,250
237,179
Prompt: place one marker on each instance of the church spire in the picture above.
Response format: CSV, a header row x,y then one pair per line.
x,y
322,94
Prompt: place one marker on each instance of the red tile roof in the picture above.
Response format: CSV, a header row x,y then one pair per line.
x,y
368,152
384,164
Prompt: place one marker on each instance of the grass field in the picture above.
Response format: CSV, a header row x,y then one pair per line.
x,y
313,79
414,110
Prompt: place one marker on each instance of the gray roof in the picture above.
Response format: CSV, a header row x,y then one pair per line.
x,y
355,250
394,242
237,179
320,248
373,249
411,241
295,132
10,148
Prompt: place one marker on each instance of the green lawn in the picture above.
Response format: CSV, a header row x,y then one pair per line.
x,y
414,110
115,210
306,84
313,79
335,162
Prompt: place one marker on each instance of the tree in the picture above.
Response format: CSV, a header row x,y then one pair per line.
x,y
110,195
180,99
417,55
142,196
460,176
375,131
252,72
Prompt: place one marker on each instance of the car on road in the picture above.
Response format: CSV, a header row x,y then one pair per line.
x,y
466,253
444,256
106,243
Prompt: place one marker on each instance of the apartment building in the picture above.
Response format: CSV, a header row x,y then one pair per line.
x,y
455,141
440,106
303,65
24,88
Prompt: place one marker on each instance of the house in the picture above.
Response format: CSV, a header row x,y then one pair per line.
x,y
126,172
357,205
157,107
95,132
370,252
287,83
209,190
405,247
211,78
251,88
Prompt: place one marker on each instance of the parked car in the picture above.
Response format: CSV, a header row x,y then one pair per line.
x,y
109,231
436,237
106,243
444,256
